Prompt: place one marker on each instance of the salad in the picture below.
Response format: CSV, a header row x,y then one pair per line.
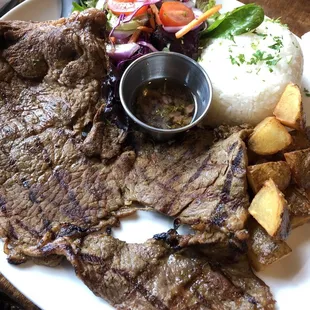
x,y
138,27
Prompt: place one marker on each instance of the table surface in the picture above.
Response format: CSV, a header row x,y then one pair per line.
x,y
294,13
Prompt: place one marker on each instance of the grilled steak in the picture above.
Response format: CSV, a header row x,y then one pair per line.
x,y
69,168
154,276
55,182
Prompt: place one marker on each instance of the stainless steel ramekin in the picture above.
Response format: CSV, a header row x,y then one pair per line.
x,y
166,65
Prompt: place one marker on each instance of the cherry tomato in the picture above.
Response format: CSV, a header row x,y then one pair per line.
x,y
126,7
175,14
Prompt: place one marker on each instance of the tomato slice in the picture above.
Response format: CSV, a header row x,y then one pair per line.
x,y
175,14
126,7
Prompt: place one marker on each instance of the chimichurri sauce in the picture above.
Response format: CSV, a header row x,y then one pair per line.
x,y
164,103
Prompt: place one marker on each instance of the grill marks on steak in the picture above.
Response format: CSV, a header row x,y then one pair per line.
x,y
46,181
154,276
51,178
68,188
202,183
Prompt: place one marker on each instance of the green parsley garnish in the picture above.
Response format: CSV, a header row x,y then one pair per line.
x,y
241,58
278,43
273,62
259,56
234,61
307,93
264,35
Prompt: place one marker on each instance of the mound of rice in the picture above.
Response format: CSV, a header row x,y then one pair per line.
x,y
250,72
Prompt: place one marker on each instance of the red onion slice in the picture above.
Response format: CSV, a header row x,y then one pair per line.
x,y
172,29
189,4
122,51
197,12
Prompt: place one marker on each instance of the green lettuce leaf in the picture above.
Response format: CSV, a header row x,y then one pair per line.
x,y
241,20
83,5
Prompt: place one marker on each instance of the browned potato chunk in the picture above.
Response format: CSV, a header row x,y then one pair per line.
x,y
269,137
299,162
278,171
289,110
263,250
300,141
298,201
270,210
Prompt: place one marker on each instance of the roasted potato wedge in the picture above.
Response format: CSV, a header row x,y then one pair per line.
x,y
270,210
278,171
263,250
299,162
289,110
298,201
300,141
269,137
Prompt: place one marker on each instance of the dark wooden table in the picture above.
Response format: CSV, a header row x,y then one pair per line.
x,y
294,13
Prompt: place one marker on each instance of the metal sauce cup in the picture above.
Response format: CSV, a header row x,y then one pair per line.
x,y
166,65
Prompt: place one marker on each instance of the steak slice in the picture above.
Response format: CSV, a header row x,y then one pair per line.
x,y
201,182
50,92
152,275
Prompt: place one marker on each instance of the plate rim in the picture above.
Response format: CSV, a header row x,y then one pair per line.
x,y
25,4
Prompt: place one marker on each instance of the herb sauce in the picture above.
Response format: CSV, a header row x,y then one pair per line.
x,y
165,103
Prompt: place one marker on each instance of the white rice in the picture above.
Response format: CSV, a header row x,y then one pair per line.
x,y
247,93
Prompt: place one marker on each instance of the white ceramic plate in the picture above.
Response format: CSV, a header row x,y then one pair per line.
x,y
38,10
59,288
